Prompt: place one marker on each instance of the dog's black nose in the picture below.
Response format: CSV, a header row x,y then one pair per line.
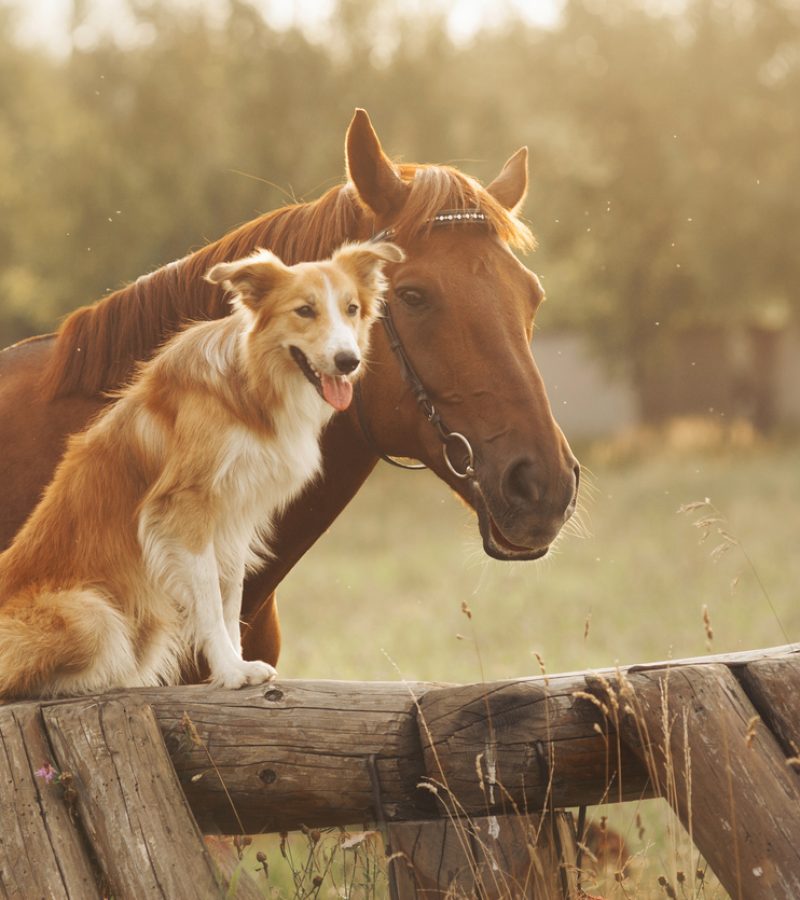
x,y
346,362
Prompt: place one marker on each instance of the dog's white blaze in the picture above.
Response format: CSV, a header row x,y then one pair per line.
x,y
341,337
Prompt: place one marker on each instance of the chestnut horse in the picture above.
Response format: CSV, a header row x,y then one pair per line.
x,y
458,351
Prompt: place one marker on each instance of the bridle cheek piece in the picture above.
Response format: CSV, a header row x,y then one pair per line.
x,y
446,436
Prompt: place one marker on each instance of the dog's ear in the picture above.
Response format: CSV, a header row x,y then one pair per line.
x,y
365,264
251,279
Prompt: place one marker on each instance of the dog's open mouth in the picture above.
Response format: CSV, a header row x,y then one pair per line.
x,y
336,390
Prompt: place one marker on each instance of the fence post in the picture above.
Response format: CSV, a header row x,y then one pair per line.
x,y
42,851
492,857
720,769
129,800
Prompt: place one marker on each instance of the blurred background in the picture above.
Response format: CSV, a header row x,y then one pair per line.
x,y
665,156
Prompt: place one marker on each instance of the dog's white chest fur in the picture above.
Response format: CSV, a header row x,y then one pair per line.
x,y
259,474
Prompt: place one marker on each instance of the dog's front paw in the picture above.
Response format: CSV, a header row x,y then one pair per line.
x,y
246,672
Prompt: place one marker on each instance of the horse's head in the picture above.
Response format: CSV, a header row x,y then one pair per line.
x,y
461,311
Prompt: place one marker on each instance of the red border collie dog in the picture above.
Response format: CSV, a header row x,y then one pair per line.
x,y
133,561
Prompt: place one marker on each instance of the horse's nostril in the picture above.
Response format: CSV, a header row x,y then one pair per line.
x,y
520,483
346,362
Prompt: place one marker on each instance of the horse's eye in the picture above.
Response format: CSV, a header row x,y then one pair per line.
x,y
352,309
411,296
306,312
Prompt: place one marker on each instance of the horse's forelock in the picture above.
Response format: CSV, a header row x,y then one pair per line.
x,y
437,188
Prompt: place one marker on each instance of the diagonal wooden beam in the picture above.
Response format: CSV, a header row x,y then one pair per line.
x,y
722,771
42,851
129,800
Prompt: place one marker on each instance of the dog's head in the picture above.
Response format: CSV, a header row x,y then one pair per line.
x,y
318,314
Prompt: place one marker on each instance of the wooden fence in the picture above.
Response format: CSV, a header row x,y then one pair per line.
x,y
141,775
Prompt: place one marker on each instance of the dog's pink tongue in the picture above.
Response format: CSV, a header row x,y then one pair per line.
x,y
337,391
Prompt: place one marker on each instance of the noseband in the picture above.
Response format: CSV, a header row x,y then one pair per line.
x,y
446,436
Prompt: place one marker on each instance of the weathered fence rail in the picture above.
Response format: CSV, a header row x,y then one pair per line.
x,y
147,771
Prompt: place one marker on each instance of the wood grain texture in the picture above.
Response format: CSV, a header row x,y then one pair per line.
x,y
736,797
294,753
42,851
773,686
534,745
130,803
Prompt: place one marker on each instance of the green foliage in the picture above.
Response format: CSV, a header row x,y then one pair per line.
x,y
663,149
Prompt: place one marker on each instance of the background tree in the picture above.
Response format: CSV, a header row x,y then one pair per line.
x,y
664,151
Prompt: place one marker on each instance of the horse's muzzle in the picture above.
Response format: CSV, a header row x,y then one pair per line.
x,y
522,518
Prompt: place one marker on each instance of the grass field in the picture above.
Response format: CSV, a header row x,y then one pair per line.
x,y
380,597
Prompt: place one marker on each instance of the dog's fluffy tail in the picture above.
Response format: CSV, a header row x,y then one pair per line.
x,y
62,642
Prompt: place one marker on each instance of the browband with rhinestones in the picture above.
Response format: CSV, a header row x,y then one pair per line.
x,y
446,217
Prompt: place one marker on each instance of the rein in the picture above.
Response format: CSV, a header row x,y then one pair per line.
x,y
409,374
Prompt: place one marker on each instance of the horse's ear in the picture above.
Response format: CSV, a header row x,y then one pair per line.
x,y
251,278
511,185
370,170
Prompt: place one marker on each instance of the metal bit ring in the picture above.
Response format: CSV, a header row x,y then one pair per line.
x,y
469,472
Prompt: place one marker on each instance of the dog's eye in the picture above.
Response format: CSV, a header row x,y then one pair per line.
x,y
411,296
306,312
352,309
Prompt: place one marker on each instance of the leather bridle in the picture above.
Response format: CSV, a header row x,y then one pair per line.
x,y
409,373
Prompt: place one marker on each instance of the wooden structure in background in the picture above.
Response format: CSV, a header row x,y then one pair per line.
x,y
462,780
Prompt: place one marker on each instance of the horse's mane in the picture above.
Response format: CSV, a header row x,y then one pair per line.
x,y
97,346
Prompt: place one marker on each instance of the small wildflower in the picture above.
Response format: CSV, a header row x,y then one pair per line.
x,y
47,772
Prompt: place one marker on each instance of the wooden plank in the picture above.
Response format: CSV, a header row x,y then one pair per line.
x,y
773,687
733,660
736,797
521,747
492,857
42,852
294,753
129,800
